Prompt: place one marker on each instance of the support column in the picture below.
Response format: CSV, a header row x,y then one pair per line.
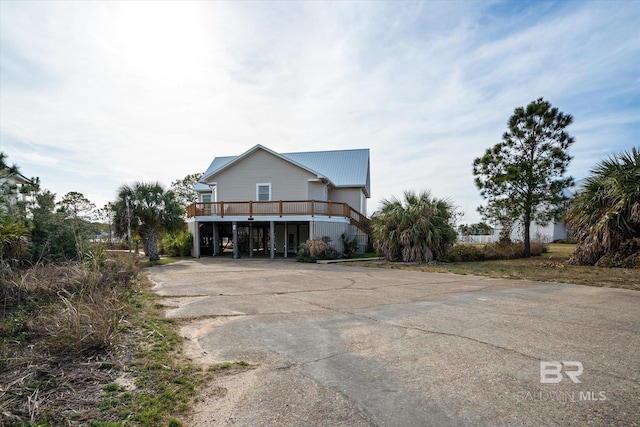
x,y
195,232
272,239
250,240
216,240
236,250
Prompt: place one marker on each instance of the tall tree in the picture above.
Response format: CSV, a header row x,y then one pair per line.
x,y
418,229
53,236
184,189
80,213
605,214
150,210
522,177
105,215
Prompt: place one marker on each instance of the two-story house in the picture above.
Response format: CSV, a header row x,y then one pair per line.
x,y
263,202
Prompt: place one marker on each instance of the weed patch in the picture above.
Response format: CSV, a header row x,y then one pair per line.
x,y
553,266
463,252
70,333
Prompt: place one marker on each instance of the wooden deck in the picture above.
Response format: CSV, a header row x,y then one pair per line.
x,y
280,208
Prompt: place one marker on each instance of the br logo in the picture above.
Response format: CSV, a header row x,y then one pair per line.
x,y
551,372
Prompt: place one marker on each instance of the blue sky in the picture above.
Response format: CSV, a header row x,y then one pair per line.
x,y
94,95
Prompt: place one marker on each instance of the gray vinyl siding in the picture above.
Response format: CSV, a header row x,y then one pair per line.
x,y
362,237
331,229
238,182
315,191
334,230
350,196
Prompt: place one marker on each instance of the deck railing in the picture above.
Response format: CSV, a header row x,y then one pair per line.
x,y
279,208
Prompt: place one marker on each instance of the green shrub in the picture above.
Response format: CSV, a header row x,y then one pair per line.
x,y
315,249
95,258
177,244
462,252
493,251
417,229
349,245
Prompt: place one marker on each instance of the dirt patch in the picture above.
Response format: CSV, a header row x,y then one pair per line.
x,y
216,404
193,331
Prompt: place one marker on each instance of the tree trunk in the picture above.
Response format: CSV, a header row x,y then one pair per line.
x,y
527,233
428,255
152,245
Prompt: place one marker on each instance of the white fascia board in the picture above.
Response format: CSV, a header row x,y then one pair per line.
x,y
288,218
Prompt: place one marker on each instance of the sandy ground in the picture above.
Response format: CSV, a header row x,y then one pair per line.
x,y
218,402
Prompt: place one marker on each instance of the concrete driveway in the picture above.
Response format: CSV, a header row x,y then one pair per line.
x,y
352,346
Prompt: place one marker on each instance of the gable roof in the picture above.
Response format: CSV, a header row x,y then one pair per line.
x,y
16,178
342,168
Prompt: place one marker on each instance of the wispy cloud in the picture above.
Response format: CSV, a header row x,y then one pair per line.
x,y
122,91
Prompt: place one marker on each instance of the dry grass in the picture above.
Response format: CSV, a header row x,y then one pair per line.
x,y
550,267
69,334
60,327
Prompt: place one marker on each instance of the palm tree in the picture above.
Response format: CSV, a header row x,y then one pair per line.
x,y
151,210
605,214
416,230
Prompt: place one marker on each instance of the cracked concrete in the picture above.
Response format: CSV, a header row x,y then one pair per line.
x,y
338,345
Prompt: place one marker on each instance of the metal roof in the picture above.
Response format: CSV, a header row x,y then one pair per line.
x,y
344,168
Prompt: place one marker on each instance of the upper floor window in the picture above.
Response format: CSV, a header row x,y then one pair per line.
x,y
211,196
263,192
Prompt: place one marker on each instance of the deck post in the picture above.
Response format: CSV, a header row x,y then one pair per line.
x,y
286,240
216,248
250,238
236,250
195,232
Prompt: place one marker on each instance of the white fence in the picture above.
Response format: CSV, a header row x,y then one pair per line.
x,y
548,233
478,239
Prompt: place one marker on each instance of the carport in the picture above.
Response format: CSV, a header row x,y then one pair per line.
x,y
249,238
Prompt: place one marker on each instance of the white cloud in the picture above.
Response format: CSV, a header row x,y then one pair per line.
x,y
115,92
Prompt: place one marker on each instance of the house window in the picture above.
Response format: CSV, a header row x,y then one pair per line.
x,y
263,192
210,196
